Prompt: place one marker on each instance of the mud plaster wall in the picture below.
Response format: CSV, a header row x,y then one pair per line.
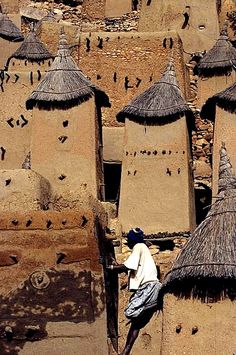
x,y
55,292
10,6
205,328
49,33
7,47
224,131
116,8
22,189
207,87
125,64
156,181
94,9
15,120
64,148
201,30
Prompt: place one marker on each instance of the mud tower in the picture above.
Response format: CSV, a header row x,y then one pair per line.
x,y
10,35
222,109
24,69
216,70
199,293
66,137
156,182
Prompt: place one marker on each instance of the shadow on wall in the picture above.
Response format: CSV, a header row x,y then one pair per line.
x,y
47,296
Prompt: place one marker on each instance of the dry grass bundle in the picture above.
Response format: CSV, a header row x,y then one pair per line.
x,y
209,257
8,30
220,60
32,49
225,99
161,103
64,85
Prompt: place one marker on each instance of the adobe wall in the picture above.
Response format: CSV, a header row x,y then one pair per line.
x,y
113,140
193,327
224,131
10,6
49,33
64,148
156,181
94,10
125,64
207,87
15,120
116,8
7,47
199,34
52,286
23,190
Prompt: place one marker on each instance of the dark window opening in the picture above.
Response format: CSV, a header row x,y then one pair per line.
x,y
134,5
203,195
112,176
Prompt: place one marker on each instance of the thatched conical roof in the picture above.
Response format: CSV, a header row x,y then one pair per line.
x,y
225,99
8,30
210,253
159,104
220,59
64,85
32,49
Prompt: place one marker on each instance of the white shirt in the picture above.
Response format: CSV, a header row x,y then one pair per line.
x,y
142,266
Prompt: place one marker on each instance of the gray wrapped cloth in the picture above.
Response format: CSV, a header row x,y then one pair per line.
x,y
146,297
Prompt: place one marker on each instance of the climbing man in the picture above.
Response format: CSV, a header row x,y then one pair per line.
x,y
144,284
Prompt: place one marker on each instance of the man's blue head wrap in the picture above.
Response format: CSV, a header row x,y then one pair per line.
x,y
135,235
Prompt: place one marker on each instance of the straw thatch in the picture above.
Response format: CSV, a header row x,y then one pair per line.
x,y
161,103
219,60
32,49
8,30
64,85
225,99
210,254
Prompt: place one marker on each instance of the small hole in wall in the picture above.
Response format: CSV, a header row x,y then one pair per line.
x,y
15,222
201,27
28,223
178,328
164,152
155,152
7,182
65,123
99,77
84,221
63,222
194,330
62,177
49,223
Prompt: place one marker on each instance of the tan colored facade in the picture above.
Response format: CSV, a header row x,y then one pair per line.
x,y
65,148
127,64
94,9
23,190
224,131
201,30
116,8
113,141
207,87
7,47
197,328
156,182
49,33
15,120
52,288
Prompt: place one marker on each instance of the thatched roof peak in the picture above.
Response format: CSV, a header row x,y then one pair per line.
x,y
209,257
8,30
32,49
227,178
220,59
64,85
161,103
